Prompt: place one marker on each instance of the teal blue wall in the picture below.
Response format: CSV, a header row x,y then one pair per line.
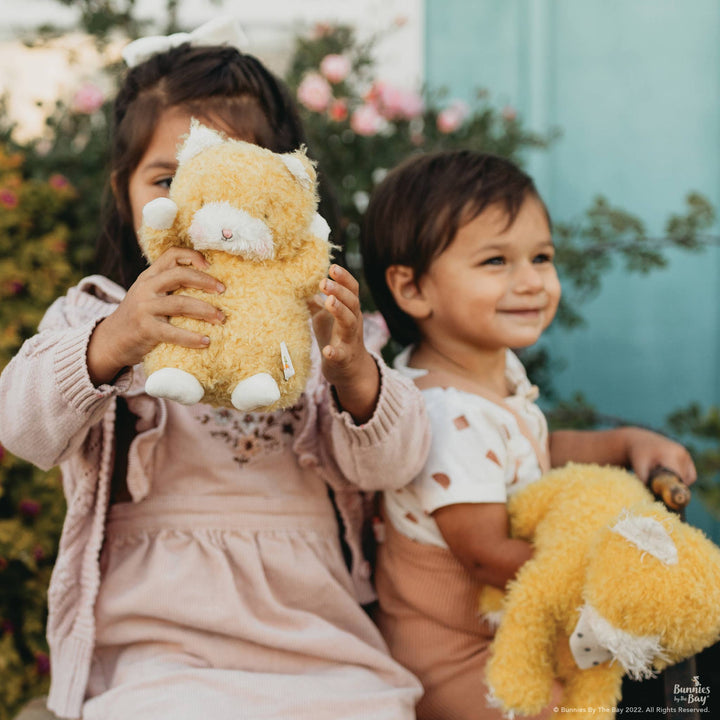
x,y
634,85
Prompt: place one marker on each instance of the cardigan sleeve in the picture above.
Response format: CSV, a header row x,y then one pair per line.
x,y
47,400
390,449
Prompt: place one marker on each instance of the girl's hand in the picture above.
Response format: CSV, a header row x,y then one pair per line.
x,y
346,363
646,450
141,321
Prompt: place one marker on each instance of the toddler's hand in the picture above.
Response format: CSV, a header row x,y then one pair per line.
x,y
141,321
346,363
646,450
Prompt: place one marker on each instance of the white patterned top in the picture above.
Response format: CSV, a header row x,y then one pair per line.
x,y
479,452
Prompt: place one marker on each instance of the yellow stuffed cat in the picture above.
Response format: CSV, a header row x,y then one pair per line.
x,y
253,215
617,584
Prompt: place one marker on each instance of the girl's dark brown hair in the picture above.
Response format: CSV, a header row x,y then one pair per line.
x,y
416,211
209,82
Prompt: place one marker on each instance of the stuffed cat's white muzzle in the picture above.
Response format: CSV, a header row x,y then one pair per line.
x,y
221,226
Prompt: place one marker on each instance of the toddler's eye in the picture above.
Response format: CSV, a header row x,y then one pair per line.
x,y
543,258
497,260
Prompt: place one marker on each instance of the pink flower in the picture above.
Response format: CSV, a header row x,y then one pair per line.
x,y
58,181
8,198
509,113
338,111
412,105
88,99
42,663
395,103
29,508
38,553
335,67
452,117
366,120
314,92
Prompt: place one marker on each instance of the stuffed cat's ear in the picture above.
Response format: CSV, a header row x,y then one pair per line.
x,y
200,138
300,167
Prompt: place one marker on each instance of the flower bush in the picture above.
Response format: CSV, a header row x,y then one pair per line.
x,y
35,226
51,191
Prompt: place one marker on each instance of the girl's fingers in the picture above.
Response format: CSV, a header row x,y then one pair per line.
x,y
345,290
345,278
184,257
342,285
346,321
344,295
316,304
173,335
189,307
177,277
343,304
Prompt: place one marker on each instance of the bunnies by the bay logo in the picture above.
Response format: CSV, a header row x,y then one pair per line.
x,y
693,695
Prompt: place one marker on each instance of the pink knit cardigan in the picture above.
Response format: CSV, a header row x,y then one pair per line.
x,y
51,413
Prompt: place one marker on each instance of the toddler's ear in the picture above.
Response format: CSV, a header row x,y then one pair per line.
x,y
400,280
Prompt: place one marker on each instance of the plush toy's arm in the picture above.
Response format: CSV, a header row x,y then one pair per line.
x,y
598,687
309,266
491,605
157,233
520,672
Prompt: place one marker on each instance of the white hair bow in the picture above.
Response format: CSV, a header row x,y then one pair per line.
x,y
222,30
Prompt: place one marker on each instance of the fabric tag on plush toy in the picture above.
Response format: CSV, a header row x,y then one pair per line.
x,y
288,369
584,644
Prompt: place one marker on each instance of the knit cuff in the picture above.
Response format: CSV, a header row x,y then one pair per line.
x,y
388,409
72,375
70,668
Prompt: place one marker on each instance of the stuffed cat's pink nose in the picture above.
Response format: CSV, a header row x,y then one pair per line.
x,y
227,234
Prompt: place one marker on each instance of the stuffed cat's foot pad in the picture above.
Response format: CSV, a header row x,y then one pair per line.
x,y
175,384
255,392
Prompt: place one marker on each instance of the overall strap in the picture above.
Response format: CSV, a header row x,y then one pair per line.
x,y
444,379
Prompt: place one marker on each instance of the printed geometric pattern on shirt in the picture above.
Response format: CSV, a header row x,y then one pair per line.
x,y
251,436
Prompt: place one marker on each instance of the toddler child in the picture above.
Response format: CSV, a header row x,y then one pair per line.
x,y
458,255
201,572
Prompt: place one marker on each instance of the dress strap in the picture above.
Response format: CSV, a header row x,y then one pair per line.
x,y
444,379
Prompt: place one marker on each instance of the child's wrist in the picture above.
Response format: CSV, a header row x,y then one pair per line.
x,y
102,365
359,392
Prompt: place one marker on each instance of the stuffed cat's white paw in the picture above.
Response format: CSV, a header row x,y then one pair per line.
x,y
255,392
160,213
175,384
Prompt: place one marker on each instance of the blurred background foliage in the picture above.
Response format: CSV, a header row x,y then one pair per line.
x,y
51,194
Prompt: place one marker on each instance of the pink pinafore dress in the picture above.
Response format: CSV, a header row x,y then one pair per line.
x,y
224,593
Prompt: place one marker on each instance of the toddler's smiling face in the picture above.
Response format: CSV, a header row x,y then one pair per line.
x,y
494,286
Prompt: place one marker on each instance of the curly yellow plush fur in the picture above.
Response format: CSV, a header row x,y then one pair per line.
x,y
252,213
617,584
